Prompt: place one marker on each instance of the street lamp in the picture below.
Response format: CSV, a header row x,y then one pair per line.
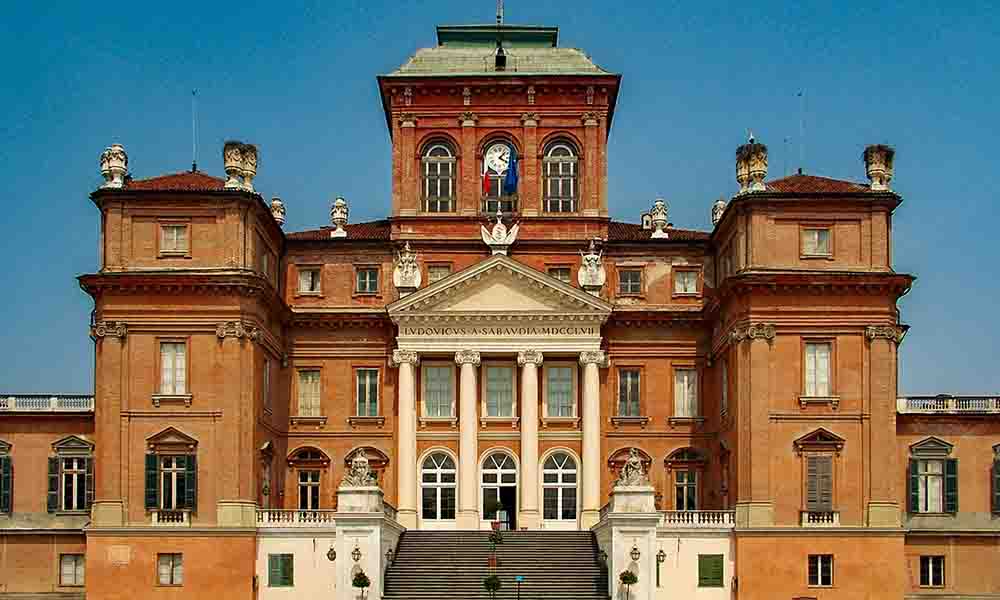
x,y
356,554
388,556
331,554
602,556
635,554
661,557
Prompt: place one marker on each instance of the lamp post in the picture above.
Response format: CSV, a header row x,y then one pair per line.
x,y
388,556
356,554
331,554
634,553
661,556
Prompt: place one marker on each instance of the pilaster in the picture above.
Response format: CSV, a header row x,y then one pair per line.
x,y
406,452
529,360
883,505
754,506
409,199
111,375
528,190
589,199
468,201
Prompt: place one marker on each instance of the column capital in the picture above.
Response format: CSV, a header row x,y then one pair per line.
x,y
468,119
893,333
526,357
754,331
598,357
400,357
116,329
467,357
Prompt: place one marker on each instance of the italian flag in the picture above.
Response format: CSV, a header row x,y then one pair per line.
x,y
486,178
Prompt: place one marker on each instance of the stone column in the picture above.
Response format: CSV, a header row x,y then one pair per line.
x,y
468,442
591,483
529,517
406,454
883,503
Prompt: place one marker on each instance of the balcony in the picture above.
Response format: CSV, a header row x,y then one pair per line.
x,y
47,403
944,404
812,518
171,518
281,518
698,519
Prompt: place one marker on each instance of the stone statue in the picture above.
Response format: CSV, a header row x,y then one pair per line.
x,y
632,473
360,473
499,239
591,276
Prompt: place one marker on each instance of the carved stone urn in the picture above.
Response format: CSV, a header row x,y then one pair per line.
x,y
757,165
717,210
232,158
878,166
742,170
248,169
658,216
114,166
338,217
278,211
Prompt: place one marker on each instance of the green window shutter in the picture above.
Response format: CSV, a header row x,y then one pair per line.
x,y
152,481
280,570
996,486
273,570
914,494
825,475
53,498
191,483
710,570
6,484
90,482
288,569
951,485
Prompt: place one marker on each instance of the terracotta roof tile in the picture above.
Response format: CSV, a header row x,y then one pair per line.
x,y
633,232
187,181
811,184
371,230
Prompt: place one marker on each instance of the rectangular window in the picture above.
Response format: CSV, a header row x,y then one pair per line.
x,y
437,391
280,570
724,385
816,241
685,282
686,490
74,483
628,393
499,391
173,239
685,393
821,570
930,475
309,393
710,570
173,368
172,482
629,282
931,571
818,369
265,260
367,280
560,273
266,387
437,272
367,392
6,483
819,483
309,281
170,569
559,392
71,570
996,487
308,490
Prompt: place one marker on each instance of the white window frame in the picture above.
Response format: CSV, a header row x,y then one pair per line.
x,y
308,481
310,280
685,480
174,563
169,474
484,389
574,397
74,478
561,174
173,367
821,561
368,391
622,291
439,473
76,575
434,278
368,281
424,380
436,178
309,400
935,571
930,482
560,485
680,275
561,268
488,467
172,243
818,384
811,241
686,385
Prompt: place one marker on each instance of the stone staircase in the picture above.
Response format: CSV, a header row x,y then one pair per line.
x,y
451,565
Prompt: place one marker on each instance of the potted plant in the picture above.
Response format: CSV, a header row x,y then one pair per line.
x,y
628,579
495,506
492,584
361,581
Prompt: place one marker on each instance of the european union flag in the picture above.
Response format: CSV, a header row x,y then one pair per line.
x,y
510,181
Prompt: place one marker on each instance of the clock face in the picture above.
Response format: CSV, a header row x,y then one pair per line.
x,y
498,158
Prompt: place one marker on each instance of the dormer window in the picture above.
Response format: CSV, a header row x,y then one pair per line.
x,y
439,177
560,172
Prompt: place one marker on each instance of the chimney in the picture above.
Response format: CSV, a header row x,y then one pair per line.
x,y
338,216
240,163
879,160
658,217
278,211
114,166
717,211
751,167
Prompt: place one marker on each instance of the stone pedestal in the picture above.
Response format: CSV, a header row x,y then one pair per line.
x,y
629,527
364,533
754,514
366,499
107,513
236,513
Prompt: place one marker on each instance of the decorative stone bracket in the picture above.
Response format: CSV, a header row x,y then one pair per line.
x,y
754,331
238,330
893,333
116,329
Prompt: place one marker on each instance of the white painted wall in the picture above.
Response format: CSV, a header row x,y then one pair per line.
x,y
314,574
679,572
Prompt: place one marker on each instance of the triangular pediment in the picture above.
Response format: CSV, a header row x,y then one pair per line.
x,y
498,285
171,439
73,444
820,439
931,446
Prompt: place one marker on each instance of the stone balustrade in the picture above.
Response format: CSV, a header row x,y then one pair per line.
x,y
171,518
944,404
42,403
281,518
698,519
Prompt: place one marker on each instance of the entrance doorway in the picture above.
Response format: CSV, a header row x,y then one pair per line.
x,y
500,490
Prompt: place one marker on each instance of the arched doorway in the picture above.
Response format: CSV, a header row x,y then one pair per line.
x,y
499,485
438,489
559,489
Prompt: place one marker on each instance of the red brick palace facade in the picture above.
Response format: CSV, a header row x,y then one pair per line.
x,y
495,348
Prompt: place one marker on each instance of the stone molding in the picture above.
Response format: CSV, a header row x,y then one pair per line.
x,y
893,333
754,331
590,119
238,330
533,357
116,329
407,119
468,119
467,357
597,357
400,357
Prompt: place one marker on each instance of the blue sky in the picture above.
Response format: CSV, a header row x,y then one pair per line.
x,y
298,79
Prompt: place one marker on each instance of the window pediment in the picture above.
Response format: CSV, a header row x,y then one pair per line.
x,y
308,456
820,440
73,445
685,458
932,447
376,458
171,440
5,447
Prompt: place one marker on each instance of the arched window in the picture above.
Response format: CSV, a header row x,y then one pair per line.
x,y
497,157
560,175
437,481
439,177
499,488
309,465
559,487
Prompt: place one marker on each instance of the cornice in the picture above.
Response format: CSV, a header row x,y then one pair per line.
x,y
815,282
209,281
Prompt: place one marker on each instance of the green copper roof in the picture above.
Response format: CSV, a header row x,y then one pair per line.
x,y
469,50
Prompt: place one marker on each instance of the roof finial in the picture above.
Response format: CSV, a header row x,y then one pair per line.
x,y
499,12
749,136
